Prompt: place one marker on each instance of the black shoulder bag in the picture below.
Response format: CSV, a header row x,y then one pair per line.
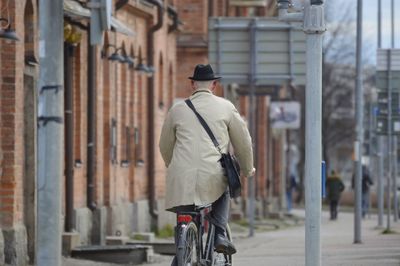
x,y
228,161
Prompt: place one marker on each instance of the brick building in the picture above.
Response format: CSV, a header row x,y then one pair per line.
x,y
114,109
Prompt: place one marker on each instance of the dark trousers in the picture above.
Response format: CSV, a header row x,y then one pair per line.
x,y
219,214
333,209
220,211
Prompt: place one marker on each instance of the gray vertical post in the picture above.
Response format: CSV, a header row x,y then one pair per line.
x,y
314,27
379,23
359,117
371,148
395,202
390,148
392,23
381,139
50,132
380,179
252,119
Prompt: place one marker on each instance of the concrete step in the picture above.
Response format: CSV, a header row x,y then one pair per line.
x,y
166,247
120,254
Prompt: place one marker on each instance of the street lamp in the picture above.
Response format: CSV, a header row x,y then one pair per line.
x,y
114,56
141,68
150,71
6,32
129,60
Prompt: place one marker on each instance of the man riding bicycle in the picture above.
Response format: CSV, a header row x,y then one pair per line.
x,y
195,176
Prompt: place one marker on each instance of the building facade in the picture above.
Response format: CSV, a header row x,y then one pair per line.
x,y
114,178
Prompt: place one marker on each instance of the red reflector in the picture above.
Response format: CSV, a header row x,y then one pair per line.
x,y
184,218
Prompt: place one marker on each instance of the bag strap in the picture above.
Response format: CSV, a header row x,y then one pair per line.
x,y
204,124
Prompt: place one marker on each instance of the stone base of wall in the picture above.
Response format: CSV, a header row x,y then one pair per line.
x,y
15,246
1,248
83,225
141,216
118,221
164,217
99,228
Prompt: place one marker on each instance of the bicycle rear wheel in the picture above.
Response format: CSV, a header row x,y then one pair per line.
x,y
188,251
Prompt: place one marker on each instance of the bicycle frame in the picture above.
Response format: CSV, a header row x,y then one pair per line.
x,y
191,219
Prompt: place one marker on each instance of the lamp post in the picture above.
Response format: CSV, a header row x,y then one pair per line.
x,y
358,144
314,27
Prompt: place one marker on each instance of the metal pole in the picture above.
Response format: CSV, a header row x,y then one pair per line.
x,y
379,23
252,118
381,138
395,203
392,22
390,148
380,179
314,27
50,133
371,149
359,117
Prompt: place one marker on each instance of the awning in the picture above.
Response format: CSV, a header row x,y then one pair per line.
x,y
75,10
119,26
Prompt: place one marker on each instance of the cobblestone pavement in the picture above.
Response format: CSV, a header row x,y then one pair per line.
x,y
286,247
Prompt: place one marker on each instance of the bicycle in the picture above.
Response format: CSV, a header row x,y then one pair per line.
x,y
190,236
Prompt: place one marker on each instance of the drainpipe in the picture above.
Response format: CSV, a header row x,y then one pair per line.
x,y
69,138
151,106
91,136
172,11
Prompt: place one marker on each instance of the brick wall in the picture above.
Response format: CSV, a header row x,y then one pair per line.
x,y
11,110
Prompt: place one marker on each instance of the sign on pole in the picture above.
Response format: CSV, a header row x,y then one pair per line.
x,y
382,83
280,51
285,115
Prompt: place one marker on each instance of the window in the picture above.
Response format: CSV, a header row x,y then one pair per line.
x,y
126,162
114,141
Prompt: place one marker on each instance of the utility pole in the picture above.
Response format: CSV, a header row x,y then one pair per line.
x,y
395,203
380,153
252,118
390,148
314,27
50,132
380,183
358,144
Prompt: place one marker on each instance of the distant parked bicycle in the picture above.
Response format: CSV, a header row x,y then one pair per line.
x,y
194,246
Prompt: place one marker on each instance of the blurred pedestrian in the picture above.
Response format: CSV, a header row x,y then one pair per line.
x,y
334,189
365,184
291,185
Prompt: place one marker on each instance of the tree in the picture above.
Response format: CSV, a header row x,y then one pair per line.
x,y
338,84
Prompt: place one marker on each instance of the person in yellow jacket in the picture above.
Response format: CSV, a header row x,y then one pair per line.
x,y
195,176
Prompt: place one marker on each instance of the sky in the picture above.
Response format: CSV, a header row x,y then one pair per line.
x,y
370,21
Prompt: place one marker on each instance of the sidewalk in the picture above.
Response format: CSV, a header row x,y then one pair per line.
x,y
286,247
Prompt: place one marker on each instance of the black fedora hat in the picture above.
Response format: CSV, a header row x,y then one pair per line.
x,y
203,73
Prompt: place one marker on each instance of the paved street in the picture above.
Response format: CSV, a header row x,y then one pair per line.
x,y
286,247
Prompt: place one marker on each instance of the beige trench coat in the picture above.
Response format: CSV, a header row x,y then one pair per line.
x,y
194,174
